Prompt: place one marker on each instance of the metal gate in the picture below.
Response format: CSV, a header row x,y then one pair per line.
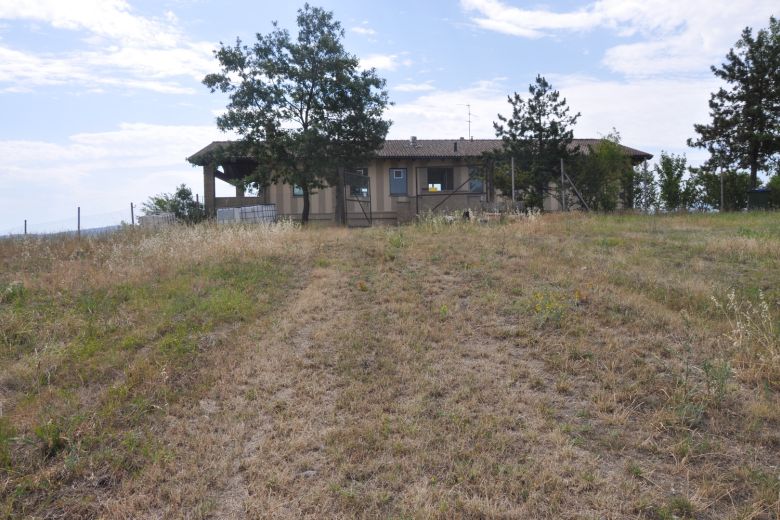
x,y
357,199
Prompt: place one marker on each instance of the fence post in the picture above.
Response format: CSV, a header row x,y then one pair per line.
x,y
78,221
563,189
132,215
513,182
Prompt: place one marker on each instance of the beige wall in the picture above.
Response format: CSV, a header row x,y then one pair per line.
x,y
383,206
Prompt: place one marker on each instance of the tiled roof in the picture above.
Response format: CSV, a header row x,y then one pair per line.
x,y
427,149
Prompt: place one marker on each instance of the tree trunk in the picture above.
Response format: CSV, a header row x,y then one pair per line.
x,y
305,215
340,202
753,174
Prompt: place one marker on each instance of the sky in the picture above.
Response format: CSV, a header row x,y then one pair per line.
x,y
101,101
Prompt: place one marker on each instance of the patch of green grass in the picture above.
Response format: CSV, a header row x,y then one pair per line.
x,y
50,436
7,434
677,507
140,340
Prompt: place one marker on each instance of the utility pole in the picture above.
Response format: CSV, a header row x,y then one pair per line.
x,y
78,221
722,206
132,215
25,226
513,182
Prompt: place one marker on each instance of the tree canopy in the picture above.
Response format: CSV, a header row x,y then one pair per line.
x,y
604,175
670,170
538,134
180,203
745,127
302,105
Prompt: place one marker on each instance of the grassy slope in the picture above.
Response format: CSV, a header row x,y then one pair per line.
x,y
559,367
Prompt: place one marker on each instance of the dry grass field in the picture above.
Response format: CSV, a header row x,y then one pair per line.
x,y
546,367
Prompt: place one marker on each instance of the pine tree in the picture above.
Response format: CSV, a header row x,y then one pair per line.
x,y
538,134
745,128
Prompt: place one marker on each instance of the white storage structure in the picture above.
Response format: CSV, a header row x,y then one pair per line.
x,y
228,215
265,213
156,220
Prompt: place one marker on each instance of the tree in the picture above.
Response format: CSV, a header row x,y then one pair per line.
x,y
645,188
601,173
745,127
735,187
692,194
670,170
538,134
180,203
774,185
303,107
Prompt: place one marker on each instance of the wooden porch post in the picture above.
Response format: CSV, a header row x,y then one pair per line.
x,y
209,190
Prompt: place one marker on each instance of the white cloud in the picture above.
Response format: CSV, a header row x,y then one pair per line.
x,y
414,87
112,19
365,31
497,16
24,71
443,114
388,62
121,48
674,36
100,171
650,114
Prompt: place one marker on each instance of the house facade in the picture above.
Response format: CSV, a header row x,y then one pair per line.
x,y
404,179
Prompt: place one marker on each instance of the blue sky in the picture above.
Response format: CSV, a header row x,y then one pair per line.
x,y
101,100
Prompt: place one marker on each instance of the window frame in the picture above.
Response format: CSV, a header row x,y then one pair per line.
x,y
352,192
475,178
447,180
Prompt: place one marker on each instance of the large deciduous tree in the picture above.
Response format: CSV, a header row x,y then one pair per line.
x,y
538,134
302,105
669,171
745,127
604,175
735,185
181,203
645,188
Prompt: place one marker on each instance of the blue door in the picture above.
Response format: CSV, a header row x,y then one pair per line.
x,y
398,181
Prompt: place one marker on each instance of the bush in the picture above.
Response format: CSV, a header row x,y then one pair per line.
x,y
180,203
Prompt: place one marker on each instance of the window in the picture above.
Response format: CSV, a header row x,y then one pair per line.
x,y
398,181
297,191
441,179
359,189
476,185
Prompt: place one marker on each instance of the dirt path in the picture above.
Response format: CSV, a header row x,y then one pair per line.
x,y
247,416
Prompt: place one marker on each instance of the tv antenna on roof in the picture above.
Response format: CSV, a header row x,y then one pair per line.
x,y
469,120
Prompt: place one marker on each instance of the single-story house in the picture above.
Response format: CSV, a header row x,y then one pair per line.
x,y
404,179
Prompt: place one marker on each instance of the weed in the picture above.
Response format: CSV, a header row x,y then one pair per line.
x,y
51,437
676,507
548,308
717,375
12,292
634,470
753,337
